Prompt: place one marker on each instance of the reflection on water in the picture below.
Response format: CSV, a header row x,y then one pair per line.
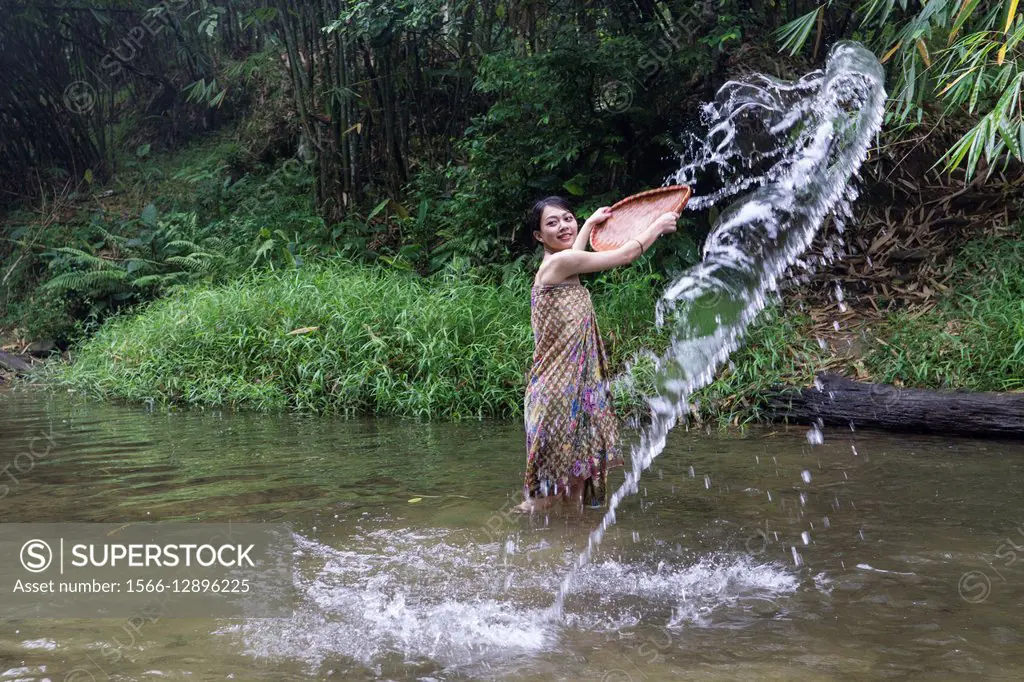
x,y
742,557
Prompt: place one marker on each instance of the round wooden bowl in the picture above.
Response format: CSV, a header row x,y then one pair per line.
x,y
634,214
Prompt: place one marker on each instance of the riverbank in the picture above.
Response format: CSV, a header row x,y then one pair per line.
x,y
17,359
333,337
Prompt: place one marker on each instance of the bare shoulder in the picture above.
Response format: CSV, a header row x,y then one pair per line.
x,y
557,268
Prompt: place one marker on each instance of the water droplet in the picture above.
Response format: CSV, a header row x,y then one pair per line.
x,y
806,476
806,537
815,437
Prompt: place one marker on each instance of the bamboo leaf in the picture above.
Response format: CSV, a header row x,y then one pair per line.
x,y
976,90
957,80
881,7
1011,139
966,8
793,35
1011,14
377,209
923,50
888,55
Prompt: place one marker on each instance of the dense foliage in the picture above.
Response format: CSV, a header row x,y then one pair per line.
x,y
962,53
145,147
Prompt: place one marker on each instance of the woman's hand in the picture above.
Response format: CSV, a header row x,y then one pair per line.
x,y
599,216
665,223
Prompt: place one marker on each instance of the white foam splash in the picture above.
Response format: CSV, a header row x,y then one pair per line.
x,y
437,597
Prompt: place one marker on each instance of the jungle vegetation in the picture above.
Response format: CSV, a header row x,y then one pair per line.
x,y
148,147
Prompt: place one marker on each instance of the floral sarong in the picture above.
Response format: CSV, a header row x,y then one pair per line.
x,y
571,427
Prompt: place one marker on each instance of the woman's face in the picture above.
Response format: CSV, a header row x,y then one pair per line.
x,y
557,229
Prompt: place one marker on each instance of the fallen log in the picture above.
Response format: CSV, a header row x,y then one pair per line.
x,y
842,401
14,363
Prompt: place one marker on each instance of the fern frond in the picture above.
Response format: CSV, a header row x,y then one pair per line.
x,y
110,236
86,281
89,259
191,263
184,243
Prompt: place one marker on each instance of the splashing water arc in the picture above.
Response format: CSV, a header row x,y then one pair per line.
x,y
796,147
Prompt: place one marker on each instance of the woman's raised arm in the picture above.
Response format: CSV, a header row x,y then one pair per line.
x,y
565,264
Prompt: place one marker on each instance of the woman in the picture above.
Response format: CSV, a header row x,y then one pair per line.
x,y
571,428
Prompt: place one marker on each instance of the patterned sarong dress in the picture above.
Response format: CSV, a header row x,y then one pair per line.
x,y
571,427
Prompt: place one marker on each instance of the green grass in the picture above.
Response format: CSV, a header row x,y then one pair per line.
x,y
974,339
384,341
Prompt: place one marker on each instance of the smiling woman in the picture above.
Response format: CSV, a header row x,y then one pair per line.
x,y
571,431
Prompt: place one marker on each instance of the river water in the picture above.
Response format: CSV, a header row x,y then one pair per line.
x,y
744,556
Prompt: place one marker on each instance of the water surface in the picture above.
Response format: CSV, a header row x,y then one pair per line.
x,y
744,556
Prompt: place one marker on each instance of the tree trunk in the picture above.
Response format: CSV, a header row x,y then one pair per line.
x,y
842,401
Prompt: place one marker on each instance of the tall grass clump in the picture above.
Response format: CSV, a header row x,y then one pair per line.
x,y
974,338
336,337
322,338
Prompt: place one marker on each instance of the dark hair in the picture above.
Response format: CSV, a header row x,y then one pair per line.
x,y
532,222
